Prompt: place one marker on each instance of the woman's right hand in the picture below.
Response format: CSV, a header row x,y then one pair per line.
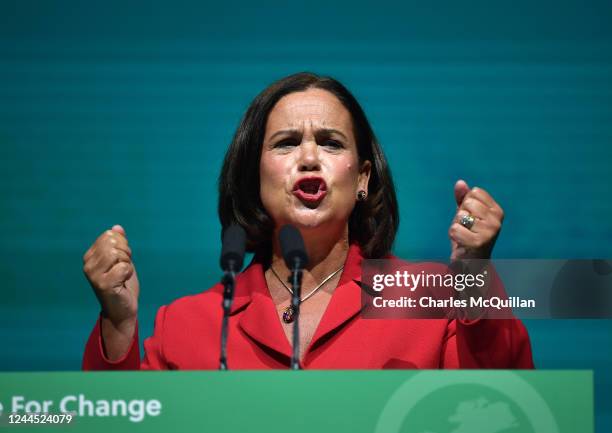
x,y
108,266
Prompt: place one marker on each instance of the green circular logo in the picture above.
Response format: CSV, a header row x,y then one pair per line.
x,y
443,403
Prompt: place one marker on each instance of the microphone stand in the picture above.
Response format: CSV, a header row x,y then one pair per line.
x,y
296,282
228,281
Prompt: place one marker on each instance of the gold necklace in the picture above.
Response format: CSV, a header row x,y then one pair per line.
x,y
289,313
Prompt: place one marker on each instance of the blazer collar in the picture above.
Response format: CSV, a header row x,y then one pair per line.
x,y
260,320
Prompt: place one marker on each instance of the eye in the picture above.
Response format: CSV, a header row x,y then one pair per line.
x,y
289,142
333,143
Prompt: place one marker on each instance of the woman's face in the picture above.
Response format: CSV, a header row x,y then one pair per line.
x,y
309,168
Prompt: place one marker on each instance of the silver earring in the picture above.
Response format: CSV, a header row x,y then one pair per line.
x,y
362,195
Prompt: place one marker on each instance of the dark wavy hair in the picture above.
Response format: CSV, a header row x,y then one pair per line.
x,y
373,223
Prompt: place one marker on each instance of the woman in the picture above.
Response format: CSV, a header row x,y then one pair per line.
x,y
304,154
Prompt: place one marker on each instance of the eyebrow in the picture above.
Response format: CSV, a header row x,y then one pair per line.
x,y
327,131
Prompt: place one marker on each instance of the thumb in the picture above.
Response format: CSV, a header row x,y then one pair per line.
x,y
461,189
117,228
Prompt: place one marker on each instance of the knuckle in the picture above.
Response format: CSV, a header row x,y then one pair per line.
x,y
479,242
103,284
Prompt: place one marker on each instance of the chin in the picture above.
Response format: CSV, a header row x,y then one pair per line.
x,y
309,218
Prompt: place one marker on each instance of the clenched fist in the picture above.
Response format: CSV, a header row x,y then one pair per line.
x,y
108,266
476,242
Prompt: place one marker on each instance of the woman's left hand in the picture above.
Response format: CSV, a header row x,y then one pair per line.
x,y
476,242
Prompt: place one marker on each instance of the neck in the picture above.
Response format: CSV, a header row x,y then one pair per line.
x,y
326,253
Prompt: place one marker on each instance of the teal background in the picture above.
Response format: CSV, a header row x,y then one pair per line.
x,y
120,112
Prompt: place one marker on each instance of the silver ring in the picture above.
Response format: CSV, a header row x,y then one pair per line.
x,y
467,221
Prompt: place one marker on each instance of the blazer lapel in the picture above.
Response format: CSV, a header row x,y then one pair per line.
x,y
260,319
345,303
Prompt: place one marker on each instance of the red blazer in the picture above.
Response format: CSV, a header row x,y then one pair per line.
x,y
187,334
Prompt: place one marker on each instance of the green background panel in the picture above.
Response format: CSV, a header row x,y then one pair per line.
x,y
328,401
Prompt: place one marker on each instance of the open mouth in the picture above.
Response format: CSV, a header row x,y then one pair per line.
x,y
310,190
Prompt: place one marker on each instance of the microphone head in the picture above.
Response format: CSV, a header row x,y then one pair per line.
x,y
292,246
232,251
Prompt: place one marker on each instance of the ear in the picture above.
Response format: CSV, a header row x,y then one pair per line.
x,y
364,176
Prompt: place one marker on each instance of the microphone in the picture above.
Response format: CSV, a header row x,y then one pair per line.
x,y
292,247
232,258
296,259
232,251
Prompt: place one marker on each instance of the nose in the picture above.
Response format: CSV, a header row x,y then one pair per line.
x,y
309,157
